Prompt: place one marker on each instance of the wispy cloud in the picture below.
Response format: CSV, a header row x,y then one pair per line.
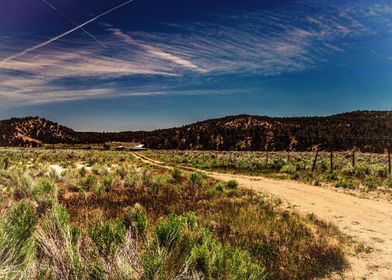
x,y
261,43
54,39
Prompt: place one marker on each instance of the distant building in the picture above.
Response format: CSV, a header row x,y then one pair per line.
x,y
138,147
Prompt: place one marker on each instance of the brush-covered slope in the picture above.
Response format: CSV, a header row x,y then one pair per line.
x,y
367,130
33,132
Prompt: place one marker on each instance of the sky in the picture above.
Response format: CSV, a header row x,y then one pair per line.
x,y
100,65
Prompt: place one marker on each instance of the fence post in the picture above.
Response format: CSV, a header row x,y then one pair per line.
x,y
353,158
331,160
315,161
389,162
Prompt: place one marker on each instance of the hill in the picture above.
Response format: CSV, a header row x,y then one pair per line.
x,y
367,130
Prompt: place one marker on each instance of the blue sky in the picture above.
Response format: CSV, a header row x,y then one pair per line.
x,y
162,63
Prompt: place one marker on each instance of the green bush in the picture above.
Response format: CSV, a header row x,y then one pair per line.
x,y
168,231
176,175
232,185
16,240
345,185
373,183
137,217
152,266
215,261
380,171
388,183
83,171
219,187
107,236
196,179
44,193
360,171
331,176
288,168
19,223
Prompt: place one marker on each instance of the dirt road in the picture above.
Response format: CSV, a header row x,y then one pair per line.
x,y
366,220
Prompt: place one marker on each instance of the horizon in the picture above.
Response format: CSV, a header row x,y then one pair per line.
x,y
200,121
146,65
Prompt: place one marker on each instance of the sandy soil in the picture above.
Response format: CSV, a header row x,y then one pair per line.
x,y
368,221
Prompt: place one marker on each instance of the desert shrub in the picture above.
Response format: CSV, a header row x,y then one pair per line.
x,y
44,193
146,177
137,217
296,176
219,187
380,171
19,222
106,183
331,176
232,185
388,183
16,240
216,261
122,172
83,171
196,179
176,175
89,182
152,266
107,236
360,171
168,231
372,183
131,180
288,168
60,247
276,164
324,165
22,187
345,184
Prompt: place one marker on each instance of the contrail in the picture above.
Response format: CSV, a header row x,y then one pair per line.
x,y
73,22
43,44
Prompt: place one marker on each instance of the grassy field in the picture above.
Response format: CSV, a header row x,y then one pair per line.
x,y
73,214
370,172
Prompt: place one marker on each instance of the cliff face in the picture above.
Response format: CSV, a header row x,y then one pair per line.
x,y
367,130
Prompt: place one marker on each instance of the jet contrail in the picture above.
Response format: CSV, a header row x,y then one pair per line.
x,y
43,44
73,22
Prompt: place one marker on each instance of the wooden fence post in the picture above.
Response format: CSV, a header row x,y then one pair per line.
x,y
353,158
331,160
315,161
389,162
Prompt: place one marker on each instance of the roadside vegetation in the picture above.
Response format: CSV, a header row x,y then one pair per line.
x,y
70,214
369,172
